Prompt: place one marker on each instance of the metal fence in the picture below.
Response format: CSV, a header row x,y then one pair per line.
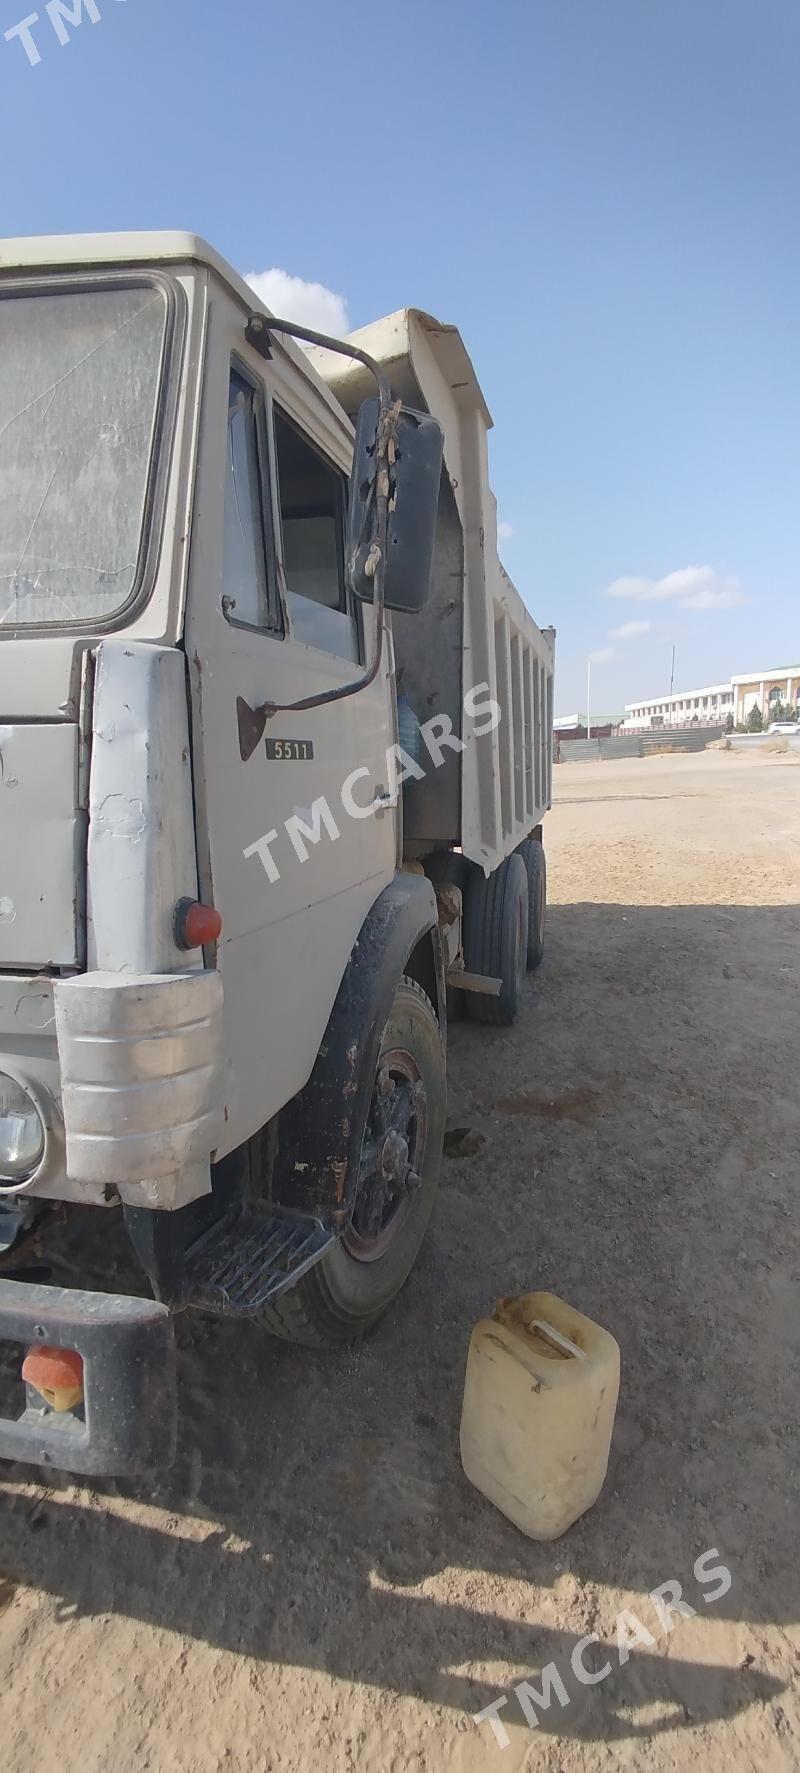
x,y
692,738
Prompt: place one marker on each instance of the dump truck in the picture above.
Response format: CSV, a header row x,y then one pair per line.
x,y
275,752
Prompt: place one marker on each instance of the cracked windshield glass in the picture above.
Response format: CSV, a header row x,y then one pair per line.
x,y
80,374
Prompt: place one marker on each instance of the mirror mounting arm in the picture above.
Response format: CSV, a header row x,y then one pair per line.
x,y
258,331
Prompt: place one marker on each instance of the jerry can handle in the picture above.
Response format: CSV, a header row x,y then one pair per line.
x,y
556,1340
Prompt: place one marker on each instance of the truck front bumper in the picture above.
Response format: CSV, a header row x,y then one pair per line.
x,y
128,1421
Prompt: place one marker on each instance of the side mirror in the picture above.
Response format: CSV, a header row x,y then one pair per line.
x,y
413,506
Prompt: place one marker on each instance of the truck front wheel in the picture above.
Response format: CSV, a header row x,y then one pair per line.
x,y
346,1293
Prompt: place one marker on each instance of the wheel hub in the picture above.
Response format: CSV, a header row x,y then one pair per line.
x,y
391,1156
394,1159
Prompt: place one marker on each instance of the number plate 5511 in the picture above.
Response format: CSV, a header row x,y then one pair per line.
x,y
290,750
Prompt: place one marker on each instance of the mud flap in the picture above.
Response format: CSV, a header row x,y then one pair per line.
x,y
321,1130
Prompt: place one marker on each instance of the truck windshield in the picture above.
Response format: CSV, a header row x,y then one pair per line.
x,y
80,381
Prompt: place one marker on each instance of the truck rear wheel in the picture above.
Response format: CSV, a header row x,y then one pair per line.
x,y
346,1293
496,938
532,853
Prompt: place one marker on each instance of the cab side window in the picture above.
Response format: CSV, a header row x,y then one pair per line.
x,y
311,493
250,597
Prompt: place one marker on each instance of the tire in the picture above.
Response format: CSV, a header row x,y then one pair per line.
x,y
349,1290
496,939
532,853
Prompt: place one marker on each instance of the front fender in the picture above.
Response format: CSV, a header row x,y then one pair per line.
x,y
320,1132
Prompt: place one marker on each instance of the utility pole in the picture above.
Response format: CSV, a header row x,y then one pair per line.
x,y
671,686
588,698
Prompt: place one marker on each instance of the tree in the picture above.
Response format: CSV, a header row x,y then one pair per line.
x,y
783,711
729,724
755,720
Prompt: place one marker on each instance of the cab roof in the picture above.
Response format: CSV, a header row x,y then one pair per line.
x,y
63,251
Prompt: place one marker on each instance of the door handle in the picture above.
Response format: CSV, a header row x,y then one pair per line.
x,y
381,801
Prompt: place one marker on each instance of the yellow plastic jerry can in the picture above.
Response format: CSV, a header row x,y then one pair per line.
x,y
539,1405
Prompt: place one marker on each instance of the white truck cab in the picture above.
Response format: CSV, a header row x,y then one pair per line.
x,y
253,834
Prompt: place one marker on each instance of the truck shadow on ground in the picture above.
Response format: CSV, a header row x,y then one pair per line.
x,y
318,1516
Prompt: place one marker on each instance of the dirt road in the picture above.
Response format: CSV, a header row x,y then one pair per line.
x,y
315,1585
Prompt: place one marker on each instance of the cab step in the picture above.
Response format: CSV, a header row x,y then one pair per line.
x,y
236,1270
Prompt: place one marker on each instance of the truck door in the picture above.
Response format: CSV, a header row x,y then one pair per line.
x,y
291,865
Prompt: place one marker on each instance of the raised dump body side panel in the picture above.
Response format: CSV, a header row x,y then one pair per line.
x,y
430,669
506,778
479,632
524,752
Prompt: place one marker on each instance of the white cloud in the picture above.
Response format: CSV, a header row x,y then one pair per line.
x,y
691,587
727,597
310,304
603,654
505,532
629,630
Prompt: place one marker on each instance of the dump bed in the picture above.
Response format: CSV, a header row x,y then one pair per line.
x,y
475,629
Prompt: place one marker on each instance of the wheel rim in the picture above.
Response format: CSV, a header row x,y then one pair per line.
x,y
392,1155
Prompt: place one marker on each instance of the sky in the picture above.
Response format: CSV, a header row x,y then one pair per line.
x,y
601,194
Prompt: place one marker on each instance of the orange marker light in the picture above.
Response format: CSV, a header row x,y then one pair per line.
x,y
57,1374
196,925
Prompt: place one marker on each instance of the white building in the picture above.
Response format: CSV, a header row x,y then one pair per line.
x,y
703,707
706,707
764,689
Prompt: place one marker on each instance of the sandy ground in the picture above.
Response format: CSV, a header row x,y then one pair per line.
x,y
315,1584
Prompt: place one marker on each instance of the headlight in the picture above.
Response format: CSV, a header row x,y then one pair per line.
x,y
21,1134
